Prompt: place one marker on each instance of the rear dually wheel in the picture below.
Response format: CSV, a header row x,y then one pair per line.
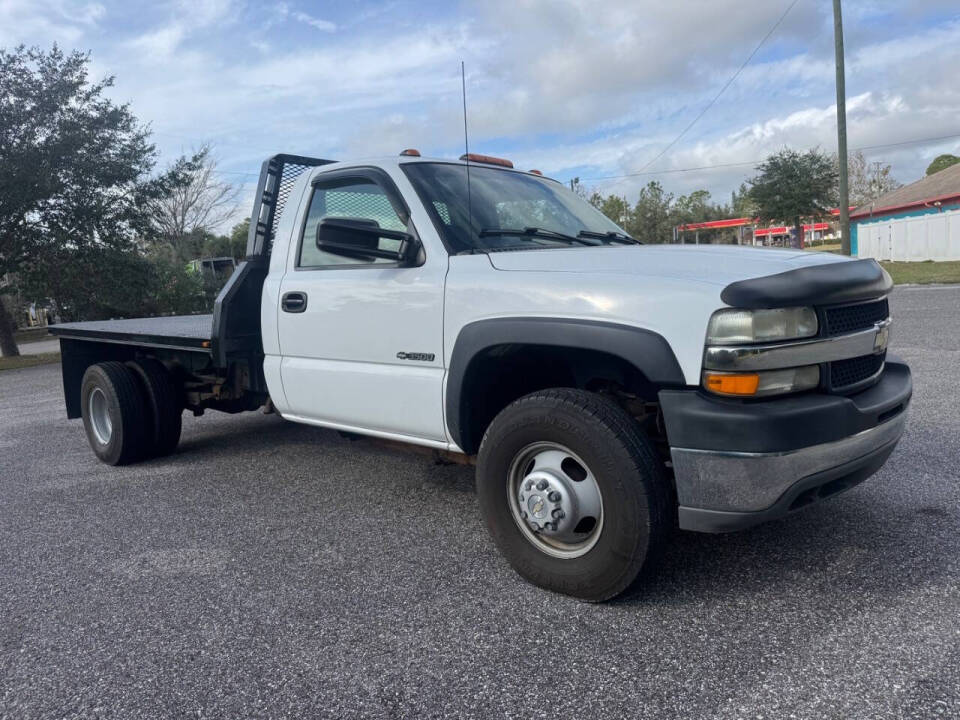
x,y
164,407
114,413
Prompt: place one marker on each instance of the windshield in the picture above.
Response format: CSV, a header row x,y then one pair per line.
x,y
507,210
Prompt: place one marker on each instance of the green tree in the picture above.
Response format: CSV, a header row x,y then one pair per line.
x,y
942,162
103,282
217,246
73,176
741,204
650,220
238,239
695,207
613,206
793,185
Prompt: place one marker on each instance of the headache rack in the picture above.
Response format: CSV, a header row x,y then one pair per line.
x,y
236,313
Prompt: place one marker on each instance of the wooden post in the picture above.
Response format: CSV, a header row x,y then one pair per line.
x,y
841,129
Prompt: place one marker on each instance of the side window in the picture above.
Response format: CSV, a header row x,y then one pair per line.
x,y
351,198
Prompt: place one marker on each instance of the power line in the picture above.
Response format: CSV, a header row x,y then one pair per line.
x,y
757,162
724,88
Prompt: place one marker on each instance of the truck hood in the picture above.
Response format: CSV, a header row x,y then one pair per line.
x,y
713,264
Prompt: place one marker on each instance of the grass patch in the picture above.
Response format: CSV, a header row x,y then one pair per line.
x,y
25,361
923,273
824,247
34,334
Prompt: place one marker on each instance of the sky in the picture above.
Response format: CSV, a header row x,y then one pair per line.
x,y
595,90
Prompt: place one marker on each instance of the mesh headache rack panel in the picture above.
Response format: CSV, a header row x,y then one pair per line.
x,y
277,177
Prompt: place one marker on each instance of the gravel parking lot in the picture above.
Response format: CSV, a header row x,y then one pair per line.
x,y
273,570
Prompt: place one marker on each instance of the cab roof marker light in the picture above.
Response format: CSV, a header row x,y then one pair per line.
x,y
486,159
536,172
410,152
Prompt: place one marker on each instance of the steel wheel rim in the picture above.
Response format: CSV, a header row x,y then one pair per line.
x,y
560,485
99,412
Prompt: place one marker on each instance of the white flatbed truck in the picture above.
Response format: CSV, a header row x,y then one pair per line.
x,y
609,391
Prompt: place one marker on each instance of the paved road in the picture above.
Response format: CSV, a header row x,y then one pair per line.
x,y
270,570
40,346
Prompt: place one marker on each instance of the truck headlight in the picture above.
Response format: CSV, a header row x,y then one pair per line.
x,y
760,384
732,326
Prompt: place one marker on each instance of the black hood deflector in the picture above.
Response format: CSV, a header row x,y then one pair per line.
x,y
830,284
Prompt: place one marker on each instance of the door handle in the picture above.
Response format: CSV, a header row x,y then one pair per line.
x,y
293,302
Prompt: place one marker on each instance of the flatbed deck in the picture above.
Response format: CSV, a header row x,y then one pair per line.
x,y
181,332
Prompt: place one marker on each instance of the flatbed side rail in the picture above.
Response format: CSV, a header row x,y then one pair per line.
x,y
236,313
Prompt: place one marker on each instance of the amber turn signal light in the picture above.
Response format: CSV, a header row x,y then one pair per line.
x,y
732,383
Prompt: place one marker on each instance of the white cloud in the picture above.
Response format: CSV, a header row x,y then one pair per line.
x,y
32,21
186,18
568,86
324,25
282,11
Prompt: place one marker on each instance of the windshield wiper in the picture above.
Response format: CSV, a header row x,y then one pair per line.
x,y
609,236
535,232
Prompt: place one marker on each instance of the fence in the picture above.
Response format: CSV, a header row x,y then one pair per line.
x,y
935,236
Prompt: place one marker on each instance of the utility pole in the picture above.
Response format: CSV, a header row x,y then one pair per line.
x,y
842,130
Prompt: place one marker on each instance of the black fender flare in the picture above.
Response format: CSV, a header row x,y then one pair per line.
x,y
646,350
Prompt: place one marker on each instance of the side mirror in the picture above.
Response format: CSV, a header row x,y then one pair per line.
x,y
359,239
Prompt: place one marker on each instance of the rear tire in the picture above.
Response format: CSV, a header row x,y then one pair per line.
x,y
608,449
114,413
163,406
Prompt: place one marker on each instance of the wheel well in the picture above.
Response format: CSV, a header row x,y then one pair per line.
x,y
500,374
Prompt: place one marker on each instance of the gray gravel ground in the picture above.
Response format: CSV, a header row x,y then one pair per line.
x,y
272,570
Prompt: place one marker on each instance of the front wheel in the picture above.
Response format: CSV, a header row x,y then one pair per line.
x,y
573,493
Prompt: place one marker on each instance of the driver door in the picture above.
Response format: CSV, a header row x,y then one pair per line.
x,y
362,338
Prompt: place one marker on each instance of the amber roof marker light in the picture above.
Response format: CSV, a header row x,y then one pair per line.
x,y
486,159
410,152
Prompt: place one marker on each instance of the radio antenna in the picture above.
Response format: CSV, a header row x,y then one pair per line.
x,y
466,146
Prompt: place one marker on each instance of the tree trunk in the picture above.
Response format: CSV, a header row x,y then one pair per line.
x,y
8,343
798,225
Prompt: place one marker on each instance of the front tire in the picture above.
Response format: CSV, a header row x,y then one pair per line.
x,y
573,493
114,413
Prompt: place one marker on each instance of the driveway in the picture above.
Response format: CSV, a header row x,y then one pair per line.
x,y
39,346
273,570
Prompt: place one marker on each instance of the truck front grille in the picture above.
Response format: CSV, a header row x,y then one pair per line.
x,y
845,374
853,374
843,319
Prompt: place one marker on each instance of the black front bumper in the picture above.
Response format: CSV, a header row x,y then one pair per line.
x,y
738,463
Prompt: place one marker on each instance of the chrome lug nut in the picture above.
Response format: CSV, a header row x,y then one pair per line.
x,y
542,485
558,514
529,486
554,496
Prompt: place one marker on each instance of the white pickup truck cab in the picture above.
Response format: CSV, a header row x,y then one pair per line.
x,y
610,391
